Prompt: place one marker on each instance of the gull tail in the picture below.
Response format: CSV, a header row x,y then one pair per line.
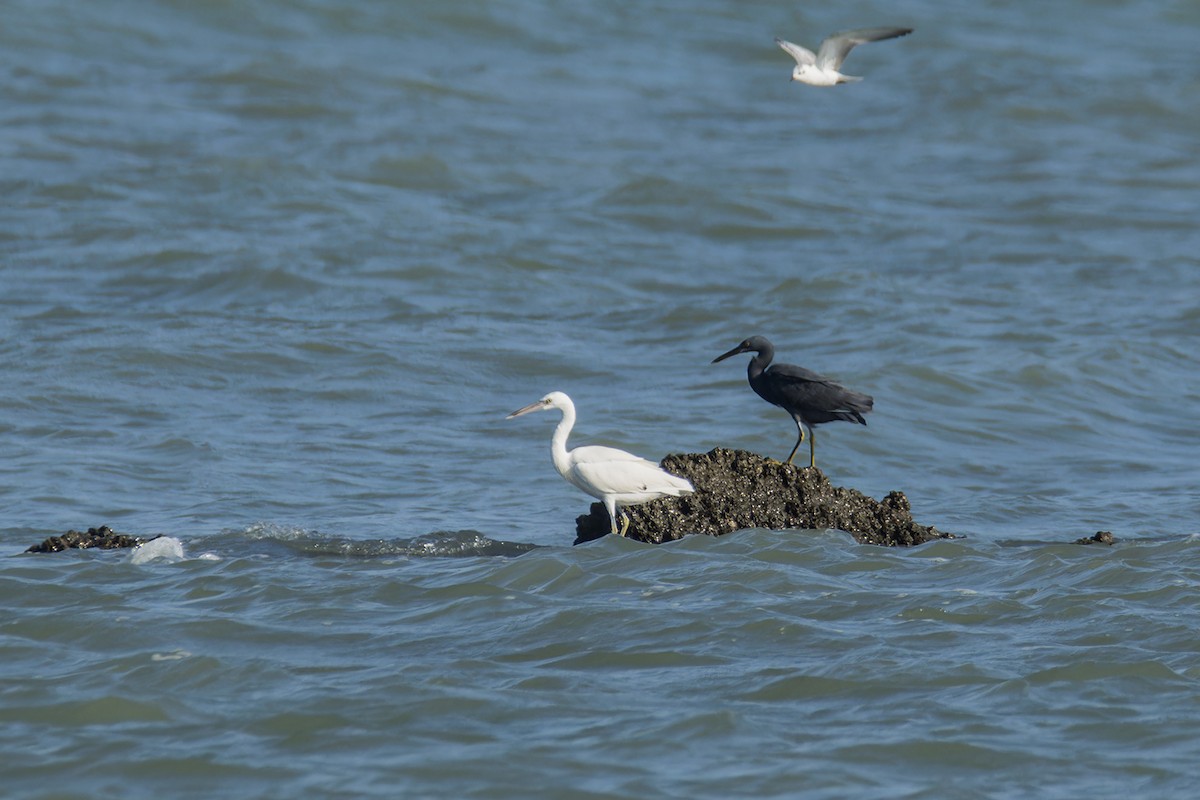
x,y
848,79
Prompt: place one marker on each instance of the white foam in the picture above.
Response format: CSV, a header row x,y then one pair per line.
x,y
164,548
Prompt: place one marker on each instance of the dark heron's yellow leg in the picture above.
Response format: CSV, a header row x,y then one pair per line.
x,y
812,450
797,447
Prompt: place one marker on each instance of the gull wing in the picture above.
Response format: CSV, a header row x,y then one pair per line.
x,y
804,56
835,48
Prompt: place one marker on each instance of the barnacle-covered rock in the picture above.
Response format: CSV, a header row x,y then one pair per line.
x,y
103,537
736,490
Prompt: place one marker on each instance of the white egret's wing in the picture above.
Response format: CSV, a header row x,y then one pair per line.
x,y
606,470
597,454
803,56
835,48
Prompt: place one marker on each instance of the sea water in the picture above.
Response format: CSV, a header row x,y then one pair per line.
x,y
272,274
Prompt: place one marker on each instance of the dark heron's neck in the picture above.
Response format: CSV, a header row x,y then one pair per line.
x,y
762,359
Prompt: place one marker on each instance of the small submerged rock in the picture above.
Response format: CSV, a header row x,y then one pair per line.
x,y
103,537
736,490
1099,537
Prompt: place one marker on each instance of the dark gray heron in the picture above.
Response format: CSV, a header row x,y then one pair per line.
x,y
810,398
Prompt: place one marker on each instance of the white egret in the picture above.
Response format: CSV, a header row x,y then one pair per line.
x,y
821,68
616,478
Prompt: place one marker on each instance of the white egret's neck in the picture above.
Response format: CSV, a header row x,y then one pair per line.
x,y
558,444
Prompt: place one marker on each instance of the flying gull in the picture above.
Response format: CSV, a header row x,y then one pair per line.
x,y
821,69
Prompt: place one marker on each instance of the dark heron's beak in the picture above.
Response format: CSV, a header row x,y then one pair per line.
x,y
733,352
538,406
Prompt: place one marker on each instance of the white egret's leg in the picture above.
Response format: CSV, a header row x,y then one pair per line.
x,y
611,505
624,522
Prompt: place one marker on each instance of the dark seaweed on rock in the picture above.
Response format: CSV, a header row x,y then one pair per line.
x,y
736,490
1099,537
103,537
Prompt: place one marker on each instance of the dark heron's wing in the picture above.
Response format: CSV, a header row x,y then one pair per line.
x,y
793,373
812,396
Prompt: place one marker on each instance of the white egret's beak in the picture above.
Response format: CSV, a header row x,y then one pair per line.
x,y
538,406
